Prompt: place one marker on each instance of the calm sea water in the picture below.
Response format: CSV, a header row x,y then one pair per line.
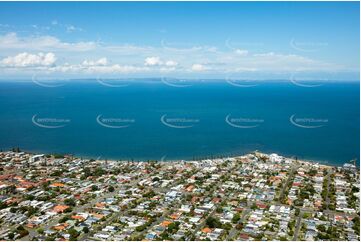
x,y
157,121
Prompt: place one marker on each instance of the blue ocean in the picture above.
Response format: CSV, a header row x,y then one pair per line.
x,y
154,120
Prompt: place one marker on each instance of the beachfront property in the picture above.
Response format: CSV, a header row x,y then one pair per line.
x,y
251,197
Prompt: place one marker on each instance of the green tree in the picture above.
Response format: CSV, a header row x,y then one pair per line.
x,y
73,233
70,202
297,212
321,228
40,230
86,230
213,222
356,224
236,218
11,235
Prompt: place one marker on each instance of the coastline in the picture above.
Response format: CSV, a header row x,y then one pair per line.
x,y
163,159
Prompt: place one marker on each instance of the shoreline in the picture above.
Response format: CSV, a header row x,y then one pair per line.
x,y
163,160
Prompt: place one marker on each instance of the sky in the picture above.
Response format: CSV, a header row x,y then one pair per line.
x,y
250,40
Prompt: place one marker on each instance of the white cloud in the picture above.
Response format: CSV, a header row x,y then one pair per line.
x,y
241,52
171,63
116,69
72,28
152,61
101,62
87,57
26,59
156,61
198,67
97,69
266,54
12,41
